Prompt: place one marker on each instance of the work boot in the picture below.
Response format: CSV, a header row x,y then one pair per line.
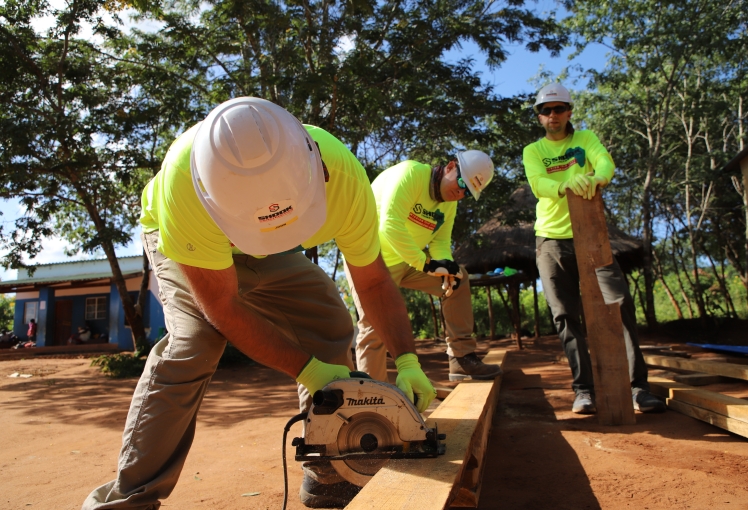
x,y
584,403
645,402
470,366
319,495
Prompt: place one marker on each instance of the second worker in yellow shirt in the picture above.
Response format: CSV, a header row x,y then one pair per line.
x,y
417,205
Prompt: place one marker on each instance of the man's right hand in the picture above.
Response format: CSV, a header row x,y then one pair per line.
x,y
578,184
316,375
442,268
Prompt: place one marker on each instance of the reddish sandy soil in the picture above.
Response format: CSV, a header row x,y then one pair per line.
x,y
61,431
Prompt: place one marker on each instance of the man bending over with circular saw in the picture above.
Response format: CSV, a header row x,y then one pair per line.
x,y
417,205
238,197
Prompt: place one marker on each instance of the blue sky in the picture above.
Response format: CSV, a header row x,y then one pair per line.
x,y
515,76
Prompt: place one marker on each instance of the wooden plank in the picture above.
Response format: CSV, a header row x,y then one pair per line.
x,y
698,379
465,417
442,392
730,424
604,325
725,405
733,370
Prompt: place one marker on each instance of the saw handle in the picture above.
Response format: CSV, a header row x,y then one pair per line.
x,y
327,401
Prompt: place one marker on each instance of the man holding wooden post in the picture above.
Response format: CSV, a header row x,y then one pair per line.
x,y
568,161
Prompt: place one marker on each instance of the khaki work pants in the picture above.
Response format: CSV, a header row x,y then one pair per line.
x,y
371,354
289,291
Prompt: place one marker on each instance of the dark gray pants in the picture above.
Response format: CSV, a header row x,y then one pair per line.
x,y
557,264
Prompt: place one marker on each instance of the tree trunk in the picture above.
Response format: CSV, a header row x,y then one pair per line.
x,y
433,316
661,276
648,239
140,344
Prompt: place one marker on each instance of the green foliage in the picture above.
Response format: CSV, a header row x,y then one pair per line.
x,y
419,313
502,319
669,105
119,366
375,74
7,310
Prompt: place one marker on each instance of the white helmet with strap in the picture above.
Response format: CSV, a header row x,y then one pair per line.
x,y
476,169
259,175
554,92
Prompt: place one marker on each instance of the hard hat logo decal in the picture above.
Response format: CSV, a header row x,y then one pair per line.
x,y
276,215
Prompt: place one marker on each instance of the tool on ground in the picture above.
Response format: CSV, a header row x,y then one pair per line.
x,y
359,424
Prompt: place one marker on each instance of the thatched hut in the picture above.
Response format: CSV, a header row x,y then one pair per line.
x,y
508,240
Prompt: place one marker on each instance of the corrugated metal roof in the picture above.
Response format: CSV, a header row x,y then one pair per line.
x,y
13,285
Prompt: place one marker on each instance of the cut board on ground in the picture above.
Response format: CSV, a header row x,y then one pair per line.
x,y
733,370
723,411
452,479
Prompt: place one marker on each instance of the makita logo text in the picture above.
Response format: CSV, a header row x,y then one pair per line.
x,y
365,401
276,215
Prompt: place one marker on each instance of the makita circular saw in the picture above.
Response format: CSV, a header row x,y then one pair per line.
x,y
359,424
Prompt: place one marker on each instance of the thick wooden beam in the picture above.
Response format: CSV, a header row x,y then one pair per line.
x,y
733,370
452,479
604,326
730,424
725,405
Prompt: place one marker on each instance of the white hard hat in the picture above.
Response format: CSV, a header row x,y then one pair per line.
x,y
476,169
554,92
259,175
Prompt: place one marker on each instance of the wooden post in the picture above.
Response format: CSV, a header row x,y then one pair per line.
x,y
490,310
433,316
535,307
513,291
604,326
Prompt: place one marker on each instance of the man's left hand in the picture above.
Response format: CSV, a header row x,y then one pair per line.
x,y
413,382
596,181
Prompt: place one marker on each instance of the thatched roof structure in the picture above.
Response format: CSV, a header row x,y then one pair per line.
x,y
508,239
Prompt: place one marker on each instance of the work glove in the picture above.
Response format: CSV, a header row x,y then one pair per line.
x,y
316,375
441,268
413,382
596,181
577,183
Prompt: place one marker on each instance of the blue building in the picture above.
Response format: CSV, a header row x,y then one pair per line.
x,y
63,296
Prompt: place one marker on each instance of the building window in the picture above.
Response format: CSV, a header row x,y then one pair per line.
x,y
95,308
29,311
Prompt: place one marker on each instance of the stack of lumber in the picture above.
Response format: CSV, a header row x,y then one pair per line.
x,y
723,411
452,479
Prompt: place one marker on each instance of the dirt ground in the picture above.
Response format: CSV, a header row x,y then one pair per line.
x,y
60,432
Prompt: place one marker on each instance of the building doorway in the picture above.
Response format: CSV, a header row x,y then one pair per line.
x,y
63,321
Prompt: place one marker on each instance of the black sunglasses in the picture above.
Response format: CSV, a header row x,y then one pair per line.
x,y
546,110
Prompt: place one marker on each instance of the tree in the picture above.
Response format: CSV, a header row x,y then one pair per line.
x,y
655,48
7,307
71,132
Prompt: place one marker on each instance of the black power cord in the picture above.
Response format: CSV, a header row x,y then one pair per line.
x,y
298,417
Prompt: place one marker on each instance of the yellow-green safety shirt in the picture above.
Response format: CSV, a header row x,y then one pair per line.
x,y
548,163
171,206
409,219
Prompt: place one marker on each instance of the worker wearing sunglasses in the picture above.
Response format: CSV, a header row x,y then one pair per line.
x,y
568,161
416,205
